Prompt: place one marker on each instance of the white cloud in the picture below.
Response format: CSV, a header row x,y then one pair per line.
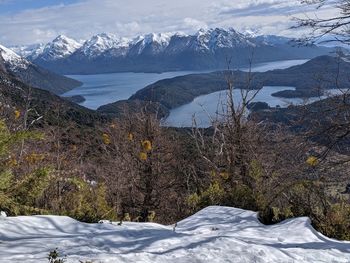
x,y
194,23
132,17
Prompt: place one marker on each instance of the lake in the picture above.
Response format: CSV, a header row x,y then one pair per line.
x,y
103,89
206,108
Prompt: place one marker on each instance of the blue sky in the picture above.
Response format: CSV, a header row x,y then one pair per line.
x,y
39,21
11,7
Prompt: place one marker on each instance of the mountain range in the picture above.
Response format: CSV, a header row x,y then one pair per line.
x,y
34,75
205,50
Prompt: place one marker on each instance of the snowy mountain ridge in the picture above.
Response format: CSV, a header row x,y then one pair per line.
x,y
100,43
204,39
30,51
161,41
215,234
212,39
14,61
207,49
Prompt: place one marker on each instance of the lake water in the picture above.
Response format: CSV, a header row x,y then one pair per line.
x,y
283,64
206,108
102,89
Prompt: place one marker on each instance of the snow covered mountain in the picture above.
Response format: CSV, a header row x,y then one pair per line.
x,y
11,60
101,43
60,48
30,52
151,44
215,234
217,38
203,40
206,49
34,75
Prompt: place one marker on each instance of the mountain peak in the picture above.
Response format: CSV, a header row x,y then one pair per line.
x,y
153,42
60,37
103,36
100,43
214,38
61,47
160,38
63,38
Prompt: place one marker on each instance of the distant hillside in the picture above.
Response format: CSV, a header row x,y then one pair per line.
x,y
44,79
205,50
125,108
309,79
14,92
325,121
34,75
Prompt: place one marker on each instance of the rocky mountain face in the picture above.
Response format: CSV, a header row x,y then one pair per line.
x,y
205,50
34,75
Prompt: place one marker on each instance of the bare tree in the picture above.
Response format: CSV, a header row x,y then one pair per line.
x,y
336,26
331,121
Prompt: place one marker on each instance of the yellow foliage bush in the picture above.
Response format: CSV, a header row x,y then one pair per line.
x,y
12,162
151,216
17,114
312,161
34,158
336,222
106,139
147,145
127,217
213,195
193,200
143,156
225,175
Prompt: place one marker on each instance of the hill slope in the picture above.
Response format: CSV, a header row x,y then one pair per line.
x,y
215,234
14,93
34,75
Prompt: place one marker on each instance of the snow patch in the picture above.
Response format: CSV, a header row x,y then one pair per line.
x,y
215,234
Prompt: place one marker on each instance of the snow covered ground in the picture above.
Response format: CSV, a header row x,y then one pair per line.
x,y
215,234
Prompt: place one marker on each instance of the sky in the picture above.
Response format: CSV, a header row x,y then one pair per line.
x,y
25,22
